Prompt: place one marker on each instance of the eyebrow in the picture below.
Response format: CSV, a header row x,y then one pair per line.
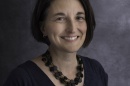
x,y
62,14
80,13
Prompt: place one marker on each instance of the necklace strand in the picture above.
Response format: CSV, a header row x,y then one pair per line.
x,y
47,59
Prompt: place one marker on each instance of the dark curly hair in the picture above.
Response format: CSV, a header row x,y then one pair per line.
x,y
40,13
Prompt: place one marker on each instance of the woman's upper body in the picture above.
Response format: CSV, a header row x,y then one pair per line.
x,y
65,26
30,74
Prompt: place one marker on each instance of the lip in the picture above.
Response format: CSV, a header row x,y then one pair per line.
x,y
70,38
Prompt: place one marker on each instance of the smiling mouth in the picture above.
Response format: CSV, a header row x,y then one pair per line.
x,y
70,38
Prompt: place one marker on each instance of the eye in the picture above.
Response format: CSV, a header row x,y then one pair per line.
x,y
60,19
80,18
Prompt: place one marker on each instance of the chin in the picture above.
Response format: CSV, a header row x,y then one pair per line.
x,y
71,50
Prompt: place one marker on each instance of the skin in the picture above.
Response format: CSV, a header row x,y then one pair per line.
x,y
65,19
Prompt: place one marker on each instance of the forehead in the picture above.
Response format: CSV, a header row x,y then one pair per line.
x,y
65,6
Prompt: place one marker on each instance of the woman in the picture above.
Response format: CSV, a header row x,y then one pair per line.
x,y
65,26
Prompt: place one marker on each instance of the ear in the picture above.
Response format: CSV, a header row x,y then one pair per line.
x,y
42,28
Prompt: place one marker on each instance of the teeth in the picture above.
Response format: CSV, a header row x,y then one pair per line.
x,y
70,38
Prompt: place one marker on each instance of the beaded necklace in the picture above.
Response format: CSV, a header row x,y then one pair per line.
x,y
47,59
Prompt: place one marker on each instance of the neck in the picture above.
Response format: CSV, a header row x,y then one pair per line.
x,y
66,62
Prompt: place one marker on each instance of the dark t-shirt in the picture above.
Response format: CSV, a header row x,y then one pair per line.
x,y
29,74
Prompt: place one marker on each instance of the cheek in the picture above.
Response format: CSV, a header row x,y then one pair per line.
x,y
54,30
83,28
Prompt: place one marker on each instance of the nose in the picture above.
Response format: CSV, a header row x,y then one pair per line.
x,y
71,26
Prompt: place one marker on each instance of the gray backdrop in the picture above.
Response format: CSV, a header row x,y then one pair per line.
x,y
110,45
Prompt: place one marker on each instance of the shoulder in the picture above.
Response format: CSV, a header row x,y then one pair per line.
x,y
92,62
19,76
94,68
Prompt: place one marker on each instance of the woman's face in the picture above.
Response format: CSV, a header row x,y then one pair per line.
x,y
65,25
